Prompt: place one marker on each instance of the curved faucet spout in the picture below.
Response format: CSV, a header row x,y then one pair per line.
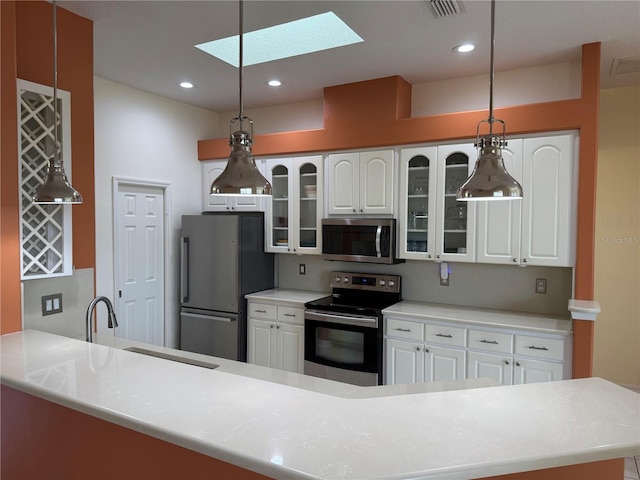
x,y
92,306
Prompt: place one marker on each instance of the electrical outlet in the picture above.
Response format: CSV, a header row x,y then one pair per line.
x,y
541,285
51,304
302,269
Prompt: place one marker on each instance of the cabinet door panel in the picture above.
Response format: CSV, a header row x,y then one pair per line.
x,y
484,365
404,362
499,223
376,182
211,171
344,182
532,371
261,343
443,364
279,206
548,224
290,348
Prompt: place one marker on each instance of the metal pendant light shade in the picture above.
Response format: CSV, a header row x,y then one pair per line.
x,y
490,179
56,187
241,175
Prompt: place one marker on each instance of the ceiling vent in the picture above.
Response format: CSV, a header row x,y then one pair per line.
x,y
625,65
445,8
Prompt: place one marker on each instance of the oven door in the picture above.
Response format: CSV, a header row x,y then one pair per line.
x,y
346,348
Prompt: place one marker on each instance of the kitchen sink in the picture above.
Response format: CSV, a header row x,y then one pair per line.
x,y
173,358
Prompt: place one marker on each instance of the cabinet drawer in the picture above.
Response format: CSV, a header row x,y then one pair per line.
x,y
404,329
445,335
491,341
262,310
549,348
291,315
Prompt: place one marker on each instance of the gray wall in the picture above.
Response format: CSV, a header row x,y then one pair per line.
x,y
502,287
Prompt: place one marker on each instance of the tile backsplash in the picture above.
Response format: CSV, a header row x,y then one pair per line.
x,y
77,292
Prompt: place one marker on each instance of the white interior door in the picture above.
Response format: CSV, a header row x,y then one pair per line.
x,y
140,263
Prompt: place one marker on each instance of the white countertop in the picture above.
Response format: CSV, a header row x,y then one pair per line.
x,y
288,432
483,317
294,298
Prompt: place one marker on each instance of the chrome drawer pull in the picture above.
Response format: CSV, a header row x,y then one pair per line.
x,y
289,315
443,335
533,347
492,342
403,329
261,311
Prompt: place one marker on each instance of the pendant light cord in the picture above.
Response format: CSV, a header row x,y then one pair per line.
x,y
55,85
492,74
240,82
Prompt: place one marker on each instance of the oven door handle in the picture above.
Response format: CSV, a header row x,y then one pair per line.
x,y
358,320
378,235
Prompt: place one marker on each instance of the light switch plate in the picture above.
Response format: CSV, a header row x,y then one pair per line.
x,y
302,269
51,304
444,274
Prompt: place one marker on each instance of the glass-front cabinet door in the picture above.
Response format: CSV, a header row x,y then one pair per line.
x,y
294,212
279,208
417,203
455,220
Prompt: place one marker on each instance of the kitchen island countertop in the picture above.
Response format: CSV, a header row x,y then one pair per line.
x,y
288,432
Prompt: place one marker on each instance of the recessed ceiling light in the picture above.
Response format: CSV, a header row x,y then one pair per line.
x,y
186,84
464,48
307,35
274,83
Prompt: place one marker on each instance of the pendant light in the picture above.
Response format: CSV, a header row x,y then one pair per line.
x,y
56,188
241,175
490,179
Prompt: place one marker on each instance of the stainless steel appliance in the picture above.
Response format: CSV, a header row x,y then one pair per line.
x,y
370,240
343,332
222,259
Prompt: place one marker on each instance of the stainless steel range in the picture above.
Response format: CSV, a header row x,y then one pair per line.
x,y
343,332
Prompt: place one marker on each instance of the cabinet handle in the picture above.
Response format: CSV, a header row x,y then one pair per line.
x,y
261,311
517,364
354,210
417,349
506,362
426,350
289,315
403,329
437,256
492,342
270,326
533,347
443,335
524,260
429,256
277,327
515,260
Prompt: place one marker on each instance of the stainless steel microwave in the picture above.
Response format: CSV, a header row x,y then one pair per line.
x,y
371,240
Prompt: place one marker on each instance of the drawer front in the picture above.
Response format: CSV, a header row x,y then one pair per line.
x,y
548,348
291,315
491,341
444,335
262,310
404,329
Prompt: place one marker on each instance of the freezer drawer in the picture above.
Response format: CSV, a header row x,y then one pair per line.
x,y
213,334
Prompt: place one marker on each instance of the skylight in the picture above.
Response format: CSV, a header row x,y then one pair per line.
x,y
307,35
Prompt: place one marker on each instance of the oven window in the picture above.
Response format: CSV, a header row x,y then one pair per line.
x,y
340,346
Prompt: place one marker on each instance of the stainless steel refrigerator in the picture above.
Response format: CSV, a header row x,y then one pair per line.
x,y
222,259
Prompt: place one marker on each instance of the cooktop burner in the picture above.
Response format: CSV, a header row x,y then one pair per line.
x,y
359,294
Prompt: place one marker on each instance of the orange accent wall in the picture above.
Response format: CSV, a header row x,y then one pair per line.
x,y
376,113
10,308
27,53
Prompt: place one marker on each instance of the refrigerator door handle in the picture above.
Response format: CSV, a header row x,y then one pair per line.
x,y
184,269
207,317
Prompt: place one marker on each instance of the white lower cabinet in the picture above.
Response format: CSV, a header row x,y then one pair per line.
x,y
419,351
276,337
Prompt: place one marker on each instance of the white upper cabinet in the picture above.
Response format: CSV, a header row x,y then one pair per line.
x,y
294,212
550,201
540,228
361,183
223,203
417,197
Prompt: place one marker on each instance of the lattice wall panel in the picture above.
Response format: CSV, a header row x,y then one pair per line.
x,y
43,226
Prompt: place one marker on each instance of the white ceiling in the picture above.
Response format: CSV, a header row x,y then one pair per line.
x,y
149,45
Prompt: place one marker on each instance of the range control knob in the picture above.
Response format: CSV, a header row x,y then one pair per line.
x,y
392,283
346,280
382,283
337,279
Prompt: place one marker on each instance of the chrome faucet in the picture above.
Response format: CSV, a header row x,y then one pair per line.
x,y
112,315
